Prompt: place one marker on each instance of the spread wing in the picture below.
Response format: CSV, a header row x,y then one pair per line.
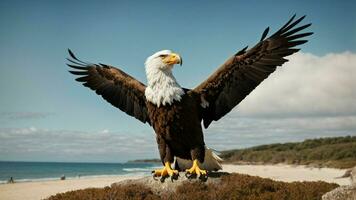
x,y
114,85
241,73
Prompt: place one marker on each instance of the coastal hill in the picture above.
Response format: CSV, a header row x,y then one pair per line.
x,y
335,152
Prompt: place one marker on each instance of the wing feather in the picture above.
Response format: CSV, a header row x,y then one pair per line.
x,y
244,71
115,86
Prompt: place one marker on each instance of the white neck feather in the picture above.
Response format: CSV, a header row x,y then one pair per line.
x,y
162,87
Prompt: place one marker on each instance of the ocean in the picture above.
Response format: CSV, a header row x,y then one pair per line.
x,y
40,171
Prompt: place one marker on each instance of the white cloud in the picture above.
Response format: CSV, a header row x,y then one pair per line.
x,y
308,97
306,85
24,115
66,145
105,131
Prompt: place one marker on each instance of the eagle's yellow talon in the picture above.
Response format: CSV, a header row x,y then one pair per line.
x,y
195,169
166,171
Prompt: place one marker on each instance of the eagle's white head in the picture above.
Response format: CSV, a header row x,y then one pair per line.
x,y
162,87
163,59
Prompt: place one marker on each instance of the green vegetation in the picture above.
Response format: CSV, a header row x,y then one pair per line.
x,y
337,152
232,186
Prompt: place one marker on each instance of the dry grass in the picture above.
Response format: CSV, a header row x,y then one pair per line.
x,y
133,192
233,186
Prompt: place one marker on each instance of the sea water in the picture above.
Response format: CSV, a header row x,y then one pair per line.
x,y
39,171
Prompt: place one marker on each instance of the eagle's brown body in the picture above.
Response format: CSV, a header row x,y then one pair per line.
x,y
178,128
178,123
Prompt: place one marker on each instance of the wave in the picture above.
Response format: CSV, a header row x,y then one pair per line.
x,y
138,169
52,172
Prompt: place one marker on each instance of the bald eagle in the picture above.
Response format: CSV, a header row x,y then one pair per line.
x,y
176,113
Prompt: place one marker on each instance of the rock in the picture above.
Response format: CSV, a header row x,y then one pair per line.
x,y
170,185
344,192
217,186
341,193
353,176
346,174
350,173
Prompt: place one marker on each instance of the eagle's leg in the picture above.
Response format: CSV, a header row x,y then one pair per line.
x,y
167,158
197,156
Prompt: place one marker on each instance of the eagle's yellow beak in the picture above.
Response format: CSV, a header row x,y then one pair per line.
x,y
172,59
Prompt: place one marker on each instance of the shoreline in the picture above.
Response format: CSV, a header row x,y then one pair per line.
x,y
35,180
43,189
280,172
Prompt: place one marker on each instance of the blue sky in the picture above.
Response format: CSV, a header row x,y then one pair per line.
x,y
39,96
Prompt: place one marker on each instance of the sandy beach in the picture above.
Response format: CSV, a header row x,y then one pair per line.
x,y
288,173
44,189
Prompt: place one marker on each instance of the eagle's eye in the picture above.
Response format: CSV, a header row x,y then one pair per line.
x,y
163,55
